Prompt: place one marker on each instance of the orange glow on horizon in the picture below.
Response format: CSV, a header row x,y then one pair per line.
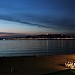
x,y
4,34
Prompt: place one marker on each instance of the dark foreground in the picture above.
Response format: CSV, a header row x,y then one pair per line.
x,y
34,65
22,66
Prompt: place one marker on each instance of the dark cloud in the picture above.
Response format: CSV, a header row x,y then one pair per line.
x,y
50,14
66,23
25,20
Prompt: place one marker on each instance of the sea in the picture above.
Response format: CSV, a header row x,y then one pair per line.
x,y
9,48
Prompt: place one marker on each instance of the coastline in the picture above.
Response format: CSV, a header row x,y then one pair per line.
x,y
40,39
33,65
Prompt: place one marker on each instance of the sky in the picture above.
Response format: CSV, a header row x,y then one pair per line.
x,y
37,16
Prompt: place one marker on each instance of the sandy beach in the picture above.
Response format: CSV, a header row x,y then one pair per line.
x,y
33,65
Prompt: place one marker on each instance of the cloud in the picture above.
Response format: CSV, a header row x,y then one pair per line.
x,y
67,22
64,23
20,19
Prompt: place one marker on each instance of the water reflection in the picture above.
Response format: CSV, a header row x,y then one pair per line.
x,y
31,47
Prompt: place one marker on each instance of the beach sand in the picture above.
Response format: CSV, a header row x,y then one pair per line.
x,y
33,65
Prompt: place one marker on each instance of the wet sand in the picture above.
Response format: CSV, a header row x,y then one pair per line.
x,y
33,65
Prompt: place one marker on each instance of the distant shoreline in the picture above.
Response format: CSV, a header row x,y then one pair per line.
x,y
40,39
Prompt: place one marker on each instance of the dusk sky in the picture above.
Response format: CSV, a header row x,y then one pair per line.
x,y
37,16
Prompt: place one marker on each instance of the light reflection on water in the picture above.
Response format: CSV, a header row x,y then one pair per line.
x,y
38,47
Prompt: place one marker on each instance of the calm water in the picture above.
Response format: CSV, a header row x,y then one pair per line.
x,y
38,47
